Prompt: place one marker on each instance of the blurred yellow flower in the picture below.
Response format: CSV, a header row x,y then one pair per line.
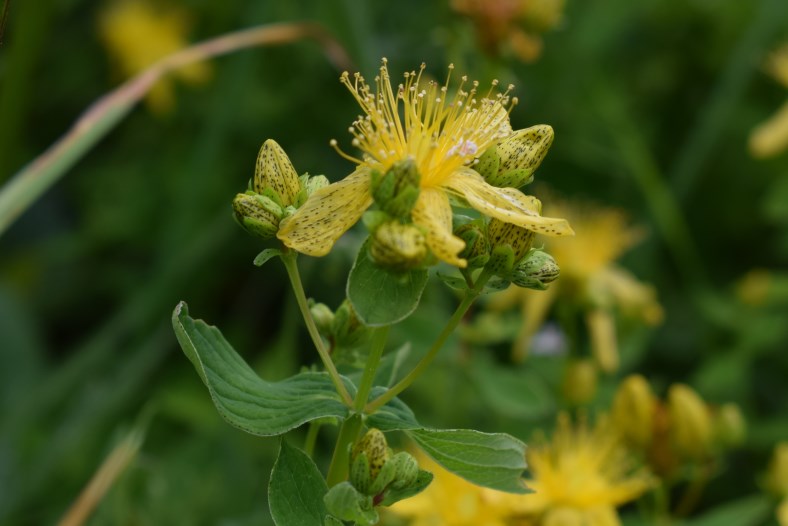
x,y
137,33
513,24
590,279
770,138
579,478
452,501
441,133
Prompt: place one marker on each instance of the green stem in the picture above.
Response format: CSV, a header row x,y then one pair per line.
x,y
289,260
311,437
379,338
337,471
470,296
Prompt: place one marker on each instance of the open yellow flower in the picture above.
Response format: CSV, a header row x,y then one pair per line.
x,y
580,477
442,134
590,279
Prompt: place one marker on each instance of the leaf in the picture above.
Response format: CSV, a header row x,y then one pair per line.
x,y
242,398
380,297
512,392
494,460
453,282
263,257
296,489
345,502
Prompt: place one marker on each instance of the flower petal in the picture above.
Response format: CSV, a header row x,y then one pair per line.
x,y
507,204
327,214
433,213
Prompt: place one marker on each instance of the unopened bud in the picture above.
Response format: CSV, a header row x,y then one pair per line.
x,y
257,214
730,428
397,190
515,236
690,422
580,381
398,247
477,246
777,476
633,410
367,458
323,316
274,172
535,271
513,161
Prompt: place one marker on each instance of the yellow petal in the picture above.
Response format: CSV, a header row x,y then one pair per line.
x,y
507,204
327,214
433,213
771,137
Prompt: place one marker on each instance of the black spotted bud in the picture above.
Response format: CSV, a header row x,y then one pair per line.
x,y
513,161
274,173
257,214
477,245
397,190
398,247
535,271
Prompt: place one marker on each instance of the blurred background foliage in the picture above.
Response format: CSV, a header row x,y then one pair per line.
x,y
652,103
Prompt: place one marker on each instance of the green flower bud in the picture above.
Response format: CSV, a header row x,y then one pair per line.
x,y
257,214
513,161
477,246
323,316
367,458
397,190
350,335
535,271
730,427
580,381
633,410
690,422
309,185
398,247
274,171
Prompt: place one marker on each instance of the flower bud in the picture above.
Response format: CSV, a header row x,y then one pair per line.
x,y
690,423
257,214
477,246
513,161
535,271
730,429
323,316
633,410
275,172
367,458
777,476
397,190
580,381
350,335
519,238
398,247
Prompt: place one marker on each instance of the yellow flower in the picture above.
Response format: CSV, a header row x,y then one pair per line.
x,y
589,279
581,476
770,138
452,501
442,134
138,33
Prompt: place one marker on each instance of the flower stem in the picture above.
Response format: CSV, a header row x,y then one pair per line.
x,y
370,368
337,471
470,296
311,437
289,260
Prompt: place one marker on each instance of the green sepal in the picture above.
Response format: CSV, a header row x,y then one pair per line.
x,y
419,484
501,260
263,257
372,219
346,503
360,477
453,282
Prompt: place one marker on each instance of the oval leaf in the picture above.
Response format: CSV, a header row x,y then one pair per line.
x,y
242,398
380,297
296,489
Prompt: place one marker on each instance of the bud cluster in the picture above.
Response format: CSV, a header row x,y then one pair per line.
x,y
348,337
275,192
682,428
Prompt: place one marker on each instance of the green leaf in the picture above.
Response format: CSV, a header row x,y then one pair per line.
x,y
263,257
396,495
512,392
296,489
380,297
345,502
453,282
749,511
242,398
494,460
333,521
